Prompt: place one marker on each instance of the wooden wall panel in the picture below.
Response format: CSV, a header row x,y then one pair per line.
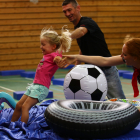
x,y
22,21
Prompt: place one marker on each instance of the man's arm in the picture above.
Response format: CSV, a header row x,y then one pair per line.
x,y
79,32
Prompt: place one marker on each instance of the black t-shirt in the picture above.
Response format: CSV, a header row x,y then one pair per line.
x,y
93,42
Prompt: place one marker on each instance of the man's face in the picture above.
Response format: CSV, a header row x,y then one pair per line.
x,y
71,12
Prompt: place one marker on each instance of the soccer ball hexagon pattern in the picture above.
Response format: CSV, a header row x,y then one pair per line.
x,y
85,82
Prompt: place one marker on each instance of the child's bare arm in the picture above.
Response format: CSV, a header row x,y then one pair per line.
x,y
57,59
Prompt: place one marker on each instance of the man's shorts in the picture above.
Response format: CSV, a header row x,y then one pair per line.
x,y
37,91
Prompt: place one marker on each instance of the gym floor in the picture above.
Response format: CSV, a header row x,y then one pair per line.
x,y
9,84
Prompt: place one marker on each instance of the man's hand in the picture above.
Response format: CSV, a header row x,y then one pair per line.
x,y
65,62
69,59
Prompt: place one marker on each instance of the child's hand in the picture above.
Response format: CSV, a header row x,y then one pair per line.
x,y
59,61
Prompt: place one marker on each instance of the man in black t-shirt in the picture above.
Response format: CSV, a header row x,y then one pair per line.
x,y
91,41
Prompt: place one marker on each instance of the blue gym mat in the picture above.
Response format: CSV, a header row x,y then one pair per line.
x,y
59,81
128,75
121,72
11,72
28,74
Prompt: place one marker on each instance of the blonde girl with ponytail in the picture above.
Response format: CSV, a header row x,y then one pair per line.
x,y
52,46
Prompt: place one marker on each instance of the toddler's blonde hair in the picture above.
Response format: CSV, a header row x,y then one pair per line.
x,y
63,41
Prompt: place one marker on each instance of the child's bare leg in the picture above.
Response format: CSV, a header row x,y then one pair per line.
x,y
17,111
26,107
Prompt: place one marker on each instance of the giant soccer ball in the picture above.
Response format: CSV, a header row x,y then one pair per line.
x,y
85,82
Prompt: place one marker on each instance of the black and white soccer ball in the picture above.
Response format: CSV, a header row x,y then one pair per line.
x,y
85,82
